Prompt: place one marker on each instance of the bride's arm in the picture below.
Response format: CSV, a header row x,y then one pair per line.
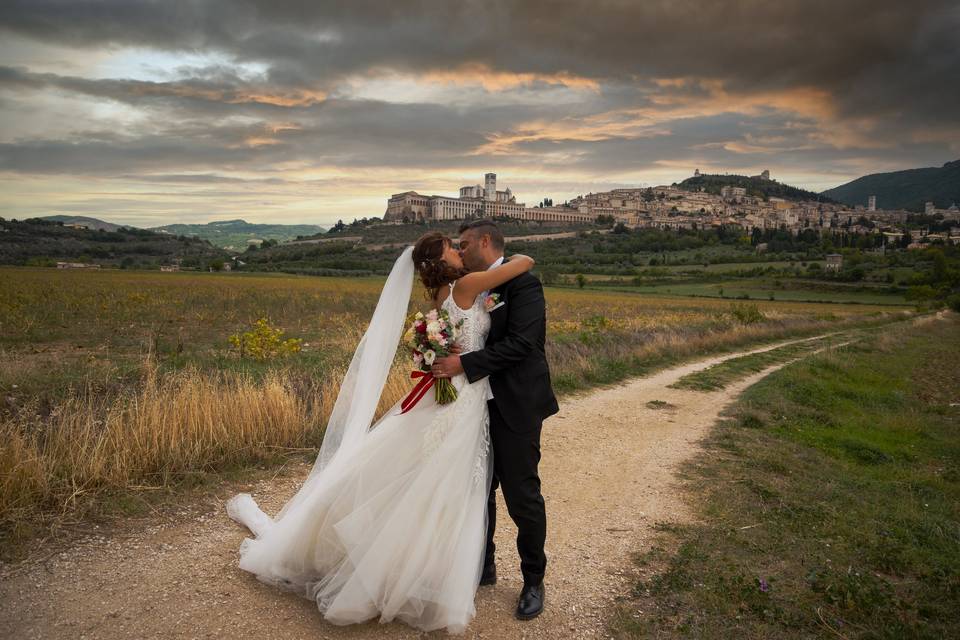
x,y
470,285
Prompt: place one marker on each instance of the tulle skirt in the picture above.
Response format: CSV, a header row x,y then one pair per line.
x,y
395,529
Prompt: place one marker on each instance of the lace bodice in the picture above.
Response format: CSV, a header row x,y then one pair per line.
x,y
476,322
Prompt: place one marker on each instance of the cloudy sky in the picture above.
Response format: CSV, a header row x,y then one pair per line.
x,y
185,111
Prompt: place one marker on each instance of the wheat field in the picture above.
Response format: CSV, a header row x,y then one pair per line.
x,y
118,381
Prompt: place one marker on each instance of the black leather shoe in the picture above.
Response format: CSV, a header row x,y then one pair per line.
x,y
489,575
531,602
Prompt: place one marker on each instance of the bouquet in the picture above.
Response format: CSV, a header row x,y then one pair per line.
x,y
430,337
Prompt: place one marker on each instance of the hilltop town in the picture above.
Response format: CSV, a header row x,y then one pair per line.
x,y
676,206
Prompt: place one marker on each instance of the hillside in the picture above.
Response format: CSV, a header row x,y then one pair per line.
x,y
908,189
89,223
588,249
236,234
45,242
359,249
756,186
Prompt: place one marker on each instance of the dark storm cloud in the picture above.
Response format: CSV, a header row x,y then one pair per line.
x,y
872,55
96,156
824,84
339,132
227,93
200,178
724,142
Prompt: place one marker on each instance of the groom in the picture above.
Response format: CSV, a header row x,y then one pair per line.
x,y
515,360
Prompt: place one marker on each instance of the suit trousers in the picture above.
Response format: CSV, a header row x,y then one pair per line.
x,y
515,459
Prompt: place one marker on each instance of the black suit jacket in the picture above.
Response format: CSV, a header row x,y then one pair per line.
x,y
515,355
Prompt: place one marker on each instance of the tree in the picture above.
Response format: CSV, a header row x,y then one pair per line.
x,y
549,276
939,266
581,280
953,302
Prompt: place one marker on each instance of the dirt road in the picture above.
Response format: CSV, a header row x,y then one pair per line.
x,y
608,470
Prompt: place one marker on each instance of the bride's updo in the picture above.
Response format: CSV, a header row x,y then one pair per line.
x,y
429,263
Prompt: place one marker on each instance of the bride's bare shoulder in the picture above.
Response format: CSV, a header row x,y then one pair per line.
x,y
463,297
442,295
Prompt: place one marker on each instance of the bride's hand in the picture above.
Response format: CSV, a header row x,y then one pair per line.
x,y
455,350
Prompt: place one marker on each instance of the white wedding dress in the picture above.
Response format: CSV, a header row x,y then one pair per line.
x,y
394,525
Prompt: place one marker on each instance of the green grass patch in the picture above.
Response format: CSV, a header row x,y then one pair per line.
x,y
763,290
828,504
720,375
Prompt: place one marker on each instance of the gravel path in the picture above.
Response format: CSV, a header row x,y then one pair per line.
x,y
608,470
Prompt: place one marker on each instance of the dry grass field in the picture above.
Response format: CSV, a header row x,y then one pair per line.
x,y
116,383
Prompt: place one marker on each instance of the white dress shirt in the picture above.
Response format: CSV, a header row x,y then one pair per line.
x,y
496,263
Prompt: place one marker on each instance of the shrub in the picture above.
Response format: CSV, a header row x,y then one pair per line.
x,y
953,302
921,292
747,313
264,342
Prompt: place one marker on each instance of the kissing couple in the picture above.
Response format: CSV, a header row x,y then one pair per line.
x,y
396,519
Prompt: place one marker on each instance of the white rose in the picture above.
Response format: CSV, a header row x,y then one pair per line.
x,y
433,327
429,356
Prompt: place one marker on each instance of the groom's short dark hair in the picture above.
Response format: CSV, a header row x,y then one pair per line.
x,y
485,227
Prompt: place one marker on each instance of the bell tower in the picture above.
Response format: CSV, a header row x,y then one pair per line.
x,y
490,187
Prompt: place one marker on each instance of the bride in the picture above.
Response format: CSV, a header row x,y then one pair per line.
x,y
391,521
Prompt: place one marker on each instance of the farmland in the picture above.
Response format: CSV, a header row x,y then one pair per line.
x,y
119,382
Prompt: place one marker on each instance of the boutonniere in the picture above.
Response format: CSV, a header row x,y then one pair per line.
x,y
492,301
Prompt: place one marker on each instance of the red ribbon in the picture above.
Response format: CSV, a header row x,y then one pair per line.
x,y
426,381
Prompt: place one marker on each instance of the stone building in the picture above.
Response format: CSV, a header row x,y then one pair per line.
x,y
473,201
834,262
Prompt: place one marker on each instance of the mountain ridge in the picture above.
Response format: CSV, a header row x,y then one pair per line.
x,y
44,242
237,234
91,223
905,189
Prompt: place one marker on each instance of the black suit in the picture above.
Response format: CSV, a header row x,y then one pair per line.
x,y
515,359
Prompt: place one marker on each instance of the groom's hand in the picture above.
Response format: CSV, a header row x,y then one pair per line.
x,y
446,367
